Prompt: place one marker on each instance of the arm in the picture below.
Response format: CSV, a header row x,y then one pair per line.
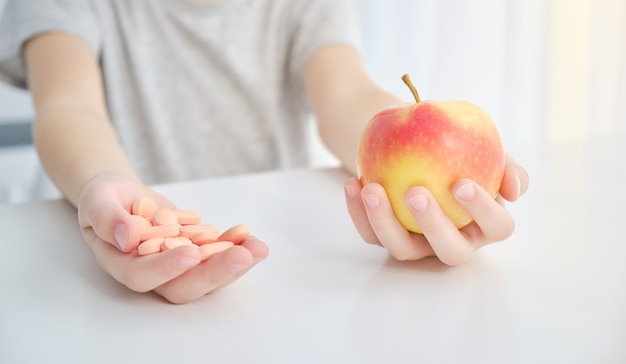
x,y
79,149
71,131
344,99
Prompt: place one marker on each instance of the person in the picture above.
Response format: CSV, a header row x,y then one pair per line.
x,y
131,93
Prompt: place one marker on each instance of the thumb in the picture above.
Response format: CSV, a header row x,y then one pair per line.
x,y
109,219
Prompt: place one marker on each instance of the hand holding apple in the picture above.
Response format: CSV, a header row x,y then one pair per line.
x,y
431,144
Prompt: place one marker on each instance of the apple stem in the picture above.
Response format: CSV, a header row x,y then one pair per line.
x,y
407,81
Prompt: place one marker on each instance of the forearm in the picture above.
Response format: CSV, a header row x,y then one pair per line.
x,y
344,98
74,146
71,131
342,121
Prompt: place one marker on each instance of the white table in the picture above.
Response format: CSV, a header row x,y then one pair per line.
x,y
555,292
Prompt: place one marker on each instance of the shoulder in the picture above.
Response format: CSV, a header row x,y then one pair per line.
x,y
22,20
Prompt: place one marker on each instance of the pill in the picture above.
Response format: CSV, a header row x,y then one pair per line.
x,y
209,250
141,221
237,234
175,242
150,246
143,206
162,231
163,216
205,237
191,230
187,217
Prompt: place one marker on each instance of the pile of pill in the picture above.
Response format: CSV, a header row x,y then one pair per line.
x,y
161,229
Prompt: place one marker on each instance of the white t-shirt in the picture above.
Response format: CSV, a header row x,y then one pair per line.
x,y
195,89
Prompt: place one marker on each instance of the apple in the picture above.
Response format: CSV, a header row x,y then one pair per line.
x,y
431,144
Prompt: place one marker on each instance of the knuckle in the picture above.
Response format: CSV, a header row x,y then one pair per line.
x,y
370,240
408,254
456,257
173,297
402,256
504,229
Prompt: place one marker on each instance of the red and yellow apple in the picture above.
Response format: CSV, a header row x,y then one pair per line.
x,y
431,144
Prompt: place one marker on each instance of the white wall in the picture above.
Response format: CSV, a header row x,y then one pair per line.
x,y
14,103
544,69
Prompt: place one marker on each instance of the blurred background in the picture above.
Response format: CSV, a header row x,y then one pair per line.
x,y
543,69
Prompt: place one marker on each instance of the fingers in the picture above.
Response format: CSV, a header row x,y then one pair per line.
x,y
144,273
375,221
101,210
515,180
400,243
373,217
258,249
178,274
356,209
217,272
447,242
493,219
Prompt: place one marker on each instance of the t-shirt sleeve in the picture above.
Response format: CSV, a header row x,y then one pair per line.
x,y
317,23
20,20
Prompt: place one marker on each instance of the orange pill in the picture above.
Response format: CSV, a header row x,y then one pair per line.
x,y
205,237
191,230
143,206
187,217
163,216
237,234
158,231
150,246
141,221
171,243
209,250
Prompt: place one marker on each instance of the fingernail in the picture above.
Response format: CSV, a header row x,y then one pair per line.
x,y
236,267
466,192
350,191
518,182
121,236
371,200
187,262
418,203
